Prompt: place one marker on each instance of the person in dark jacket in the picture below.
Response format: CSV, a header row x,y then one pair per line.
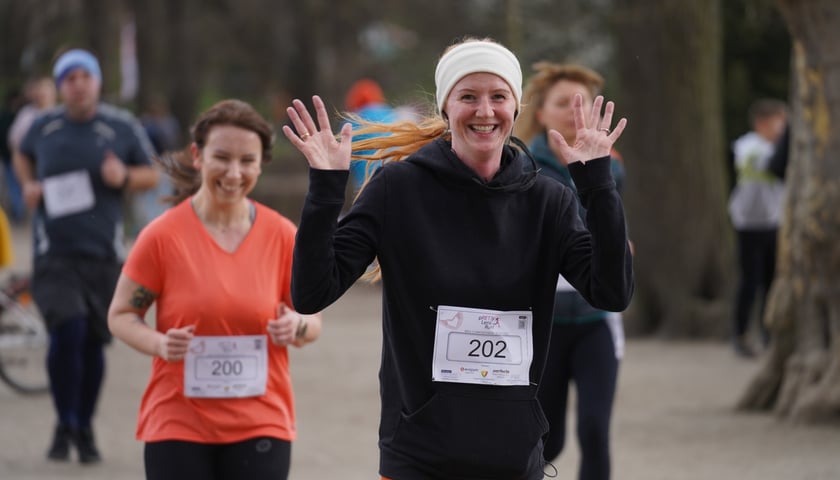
x,y
469,244
586,342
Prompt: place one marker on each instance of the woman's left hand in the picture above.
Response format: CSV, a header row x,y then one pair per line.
x,y
594,139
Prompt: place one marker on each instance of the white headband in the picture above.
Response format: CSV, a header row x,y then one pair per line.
x,y
475,57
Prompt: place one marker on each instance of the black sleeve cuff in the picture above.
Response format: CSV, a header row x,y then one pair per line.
x,y
593,174
327,186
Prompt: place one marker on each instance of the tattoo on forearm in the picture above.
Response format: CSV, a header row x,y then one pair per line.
x,y
142,298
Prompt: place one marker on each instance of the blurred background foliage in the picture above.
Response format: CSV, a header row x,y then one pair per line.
x,y
683,71
194,52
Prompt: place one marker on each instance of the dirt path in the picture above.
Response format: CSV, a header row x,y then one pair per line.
x,y
673,417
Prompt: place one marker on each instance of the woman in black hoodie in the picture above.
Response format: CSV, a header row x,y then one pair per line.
x,y
469,242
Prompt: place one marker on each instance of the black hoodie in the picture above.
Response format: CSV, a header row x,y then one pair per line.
x,y
444,236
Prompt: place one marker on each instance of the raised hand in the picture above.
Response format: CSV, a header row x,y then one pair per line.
x,y
318,143
594,139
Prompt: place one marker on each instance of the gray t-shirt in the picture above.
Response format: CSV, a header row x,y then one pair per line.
x,y
61,148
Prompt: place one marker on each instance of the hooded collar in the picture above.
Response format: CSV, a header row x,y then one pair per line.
x,y
517,171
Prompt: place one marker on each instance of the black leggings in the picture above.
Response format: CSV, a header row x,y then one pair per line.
x,y
261,458
583,353
757,261
76,367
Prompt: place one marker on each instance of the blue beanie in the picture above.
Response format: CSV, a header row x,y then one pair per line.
x,y
73,59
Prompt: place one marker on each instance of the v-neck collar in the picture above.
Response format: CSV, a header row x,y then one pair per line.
x,y
212,239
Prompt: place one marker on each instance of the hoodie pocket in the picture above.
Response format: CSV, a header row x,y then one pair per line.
x,y
474,437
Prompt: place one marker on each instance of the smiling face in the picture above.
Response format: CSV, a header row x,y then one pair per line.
x,y
480,109
230,164
556,111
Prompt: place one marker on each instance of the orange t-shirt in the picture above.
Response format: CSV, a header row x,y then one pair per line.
x,y
221,293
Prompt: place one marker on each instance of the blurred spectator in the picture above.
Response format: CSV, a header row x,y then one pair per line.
x,y
7,251
779,160
12,103
586,343
366,101
41,95
755,208
161,126
164,131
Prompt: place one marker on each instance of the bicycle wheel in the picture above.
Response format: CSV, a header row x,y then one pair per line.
x,y
23,343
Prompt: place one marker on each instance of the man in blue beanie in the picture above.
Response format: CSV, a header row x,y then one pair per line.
x,y
75,163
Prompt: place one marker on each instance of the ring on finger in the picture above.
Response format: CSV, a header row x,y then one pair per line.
x,y
305,135
605,130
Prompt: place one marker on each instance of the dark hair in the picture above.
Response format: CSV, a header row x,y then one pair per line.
x,y
231,112
766,107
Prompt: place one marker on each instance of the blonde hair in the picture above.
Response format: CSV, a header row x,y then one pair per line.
x,y
546,75
392,142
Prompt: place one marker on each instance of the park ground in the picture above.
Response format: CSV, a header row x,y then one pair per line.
x,y
673,418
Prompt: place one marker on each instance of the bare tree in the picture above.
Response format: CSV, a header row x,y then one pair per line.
x,y
32,32
801,376
670,90
98,27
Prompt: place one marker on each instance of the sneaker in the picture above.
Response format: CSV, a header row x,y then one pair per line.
x,y
86,446
60,448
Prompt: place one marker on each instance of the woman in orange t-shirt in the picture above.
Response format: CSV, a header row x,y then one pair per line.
x,y
217,266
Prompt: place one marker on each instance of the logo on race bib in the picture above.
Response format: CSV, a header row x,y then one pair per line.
x,y
484,373
453,323
197,347
490,321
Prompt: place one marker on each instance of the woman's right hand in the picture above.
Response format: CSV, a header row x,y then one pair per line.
x,y
318,143
174,343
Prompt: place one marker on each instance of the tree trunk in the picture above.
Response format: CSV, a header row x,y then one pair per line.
x,y
13,24
150,48
100,34
669,64
184,86
801,377
302,78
